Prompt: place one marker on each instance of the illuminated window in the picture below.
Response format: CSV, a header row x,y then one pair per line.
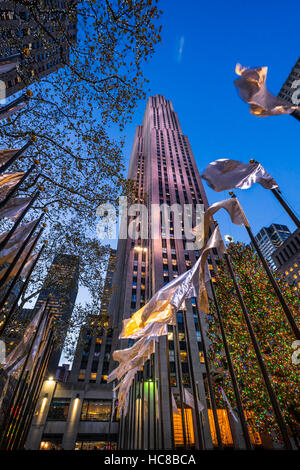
x,y
178,429
226,435
99,340
93,376
96,410
81,376
201,357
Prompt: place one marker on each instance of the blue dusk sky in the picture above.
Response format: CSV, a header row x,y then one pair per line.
x,y
194,68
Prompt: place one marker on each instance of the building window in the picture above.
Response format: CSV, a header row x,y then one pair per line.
x,y
95,445
96,410
59,409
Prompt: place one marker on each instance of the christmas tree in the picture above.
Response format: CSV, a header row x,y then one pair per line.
x,y
273,334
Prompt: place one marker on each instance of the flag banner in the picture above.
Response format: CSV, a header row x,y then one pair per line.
x,y
229,405
17,266
174,406
225,174
28,266
189,400
215,241
13,110
124,388
6,155
235,211
15,242
22,348
252,89
139,353
14,208
8,66
8,181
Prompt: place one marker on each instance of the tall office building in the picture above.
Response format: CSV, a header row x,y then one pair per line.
x,y
271,238
19,30
287,259
60,288
290,86
165,173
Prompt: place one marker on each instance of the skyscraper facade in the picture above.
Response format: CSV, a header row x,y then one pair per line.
x,y
290,87
19,31
271,238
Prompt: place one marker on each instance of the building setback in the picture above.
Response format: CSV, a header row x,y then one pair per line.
x,y
20,31
287,259
271,238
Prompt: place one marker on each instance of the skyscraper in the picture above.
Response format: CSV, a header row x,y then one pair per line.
x,y
290,86
271,238
60,287
19,30
287,259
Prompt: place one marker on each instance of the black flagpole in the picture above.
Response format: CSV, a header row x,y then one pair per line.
x,y
286,207
13,191
12,284
154,400
264,371
210,386
232,373
19,253
281,299
143,409
9,314
15,157
170,394
192,377
18,221
160,396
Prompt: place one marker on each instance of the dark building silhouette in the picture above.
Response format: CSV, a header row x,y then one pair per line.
x,y
20,31
271,238
61,288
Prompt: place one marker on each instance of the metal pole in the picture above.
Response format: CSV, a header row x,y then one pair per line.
x,y
12,160
209,382
19,254
192,377
23,288
154,400
160,397
286,207
232,373
18,221
180,384
273,399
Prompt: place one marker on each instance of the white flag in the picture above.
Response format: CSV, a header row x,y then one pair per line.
x,y
189,400
18,264
252,89
14,208
15,241
13,110
225,174
174,406
6,155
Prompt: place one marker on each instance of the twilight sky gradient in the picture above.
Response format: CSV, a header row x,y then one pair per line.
x,y
194,68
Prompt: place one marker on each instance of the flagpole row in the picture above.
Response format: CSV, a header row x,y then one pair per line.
x,y
209,382
22,290
170,394
286,207
12,160
24,410
18,221
192,377
179,382
13,191
16,396
232,373
276,288
265,374
35,399
12,284
19,253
